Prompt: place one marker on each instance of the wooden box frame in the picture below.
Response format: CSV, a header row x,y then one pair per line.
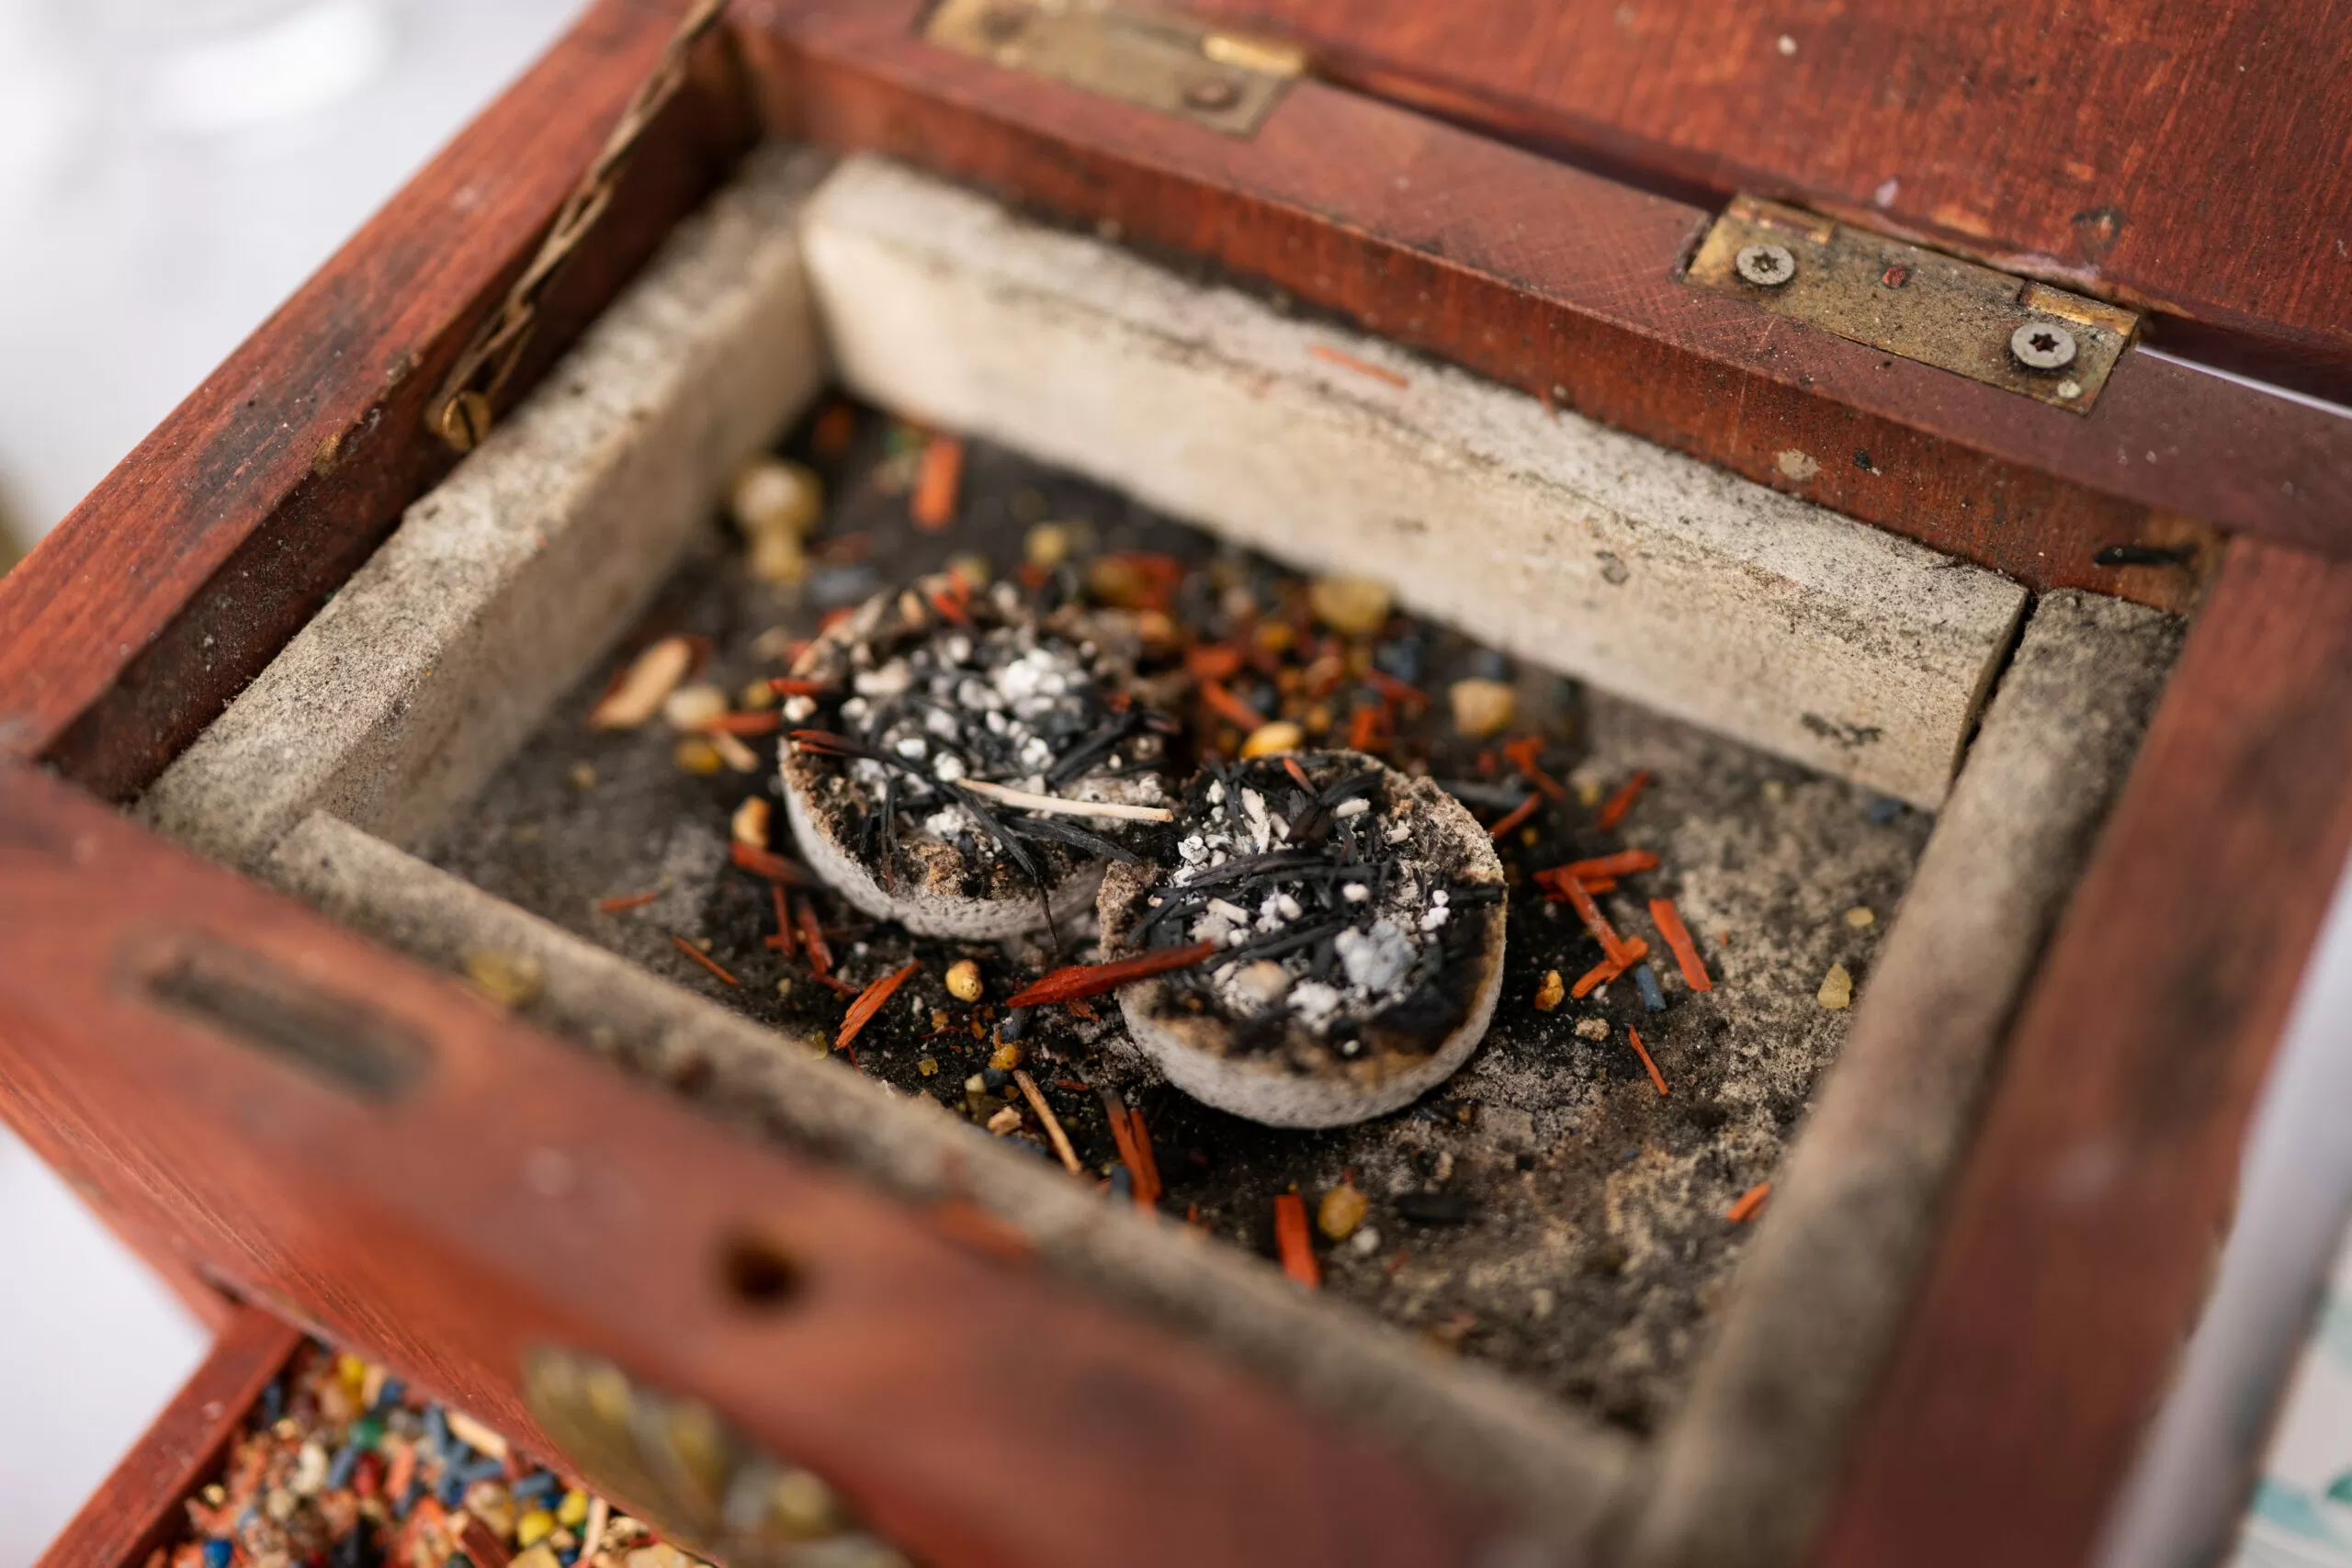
x,y
2074,1256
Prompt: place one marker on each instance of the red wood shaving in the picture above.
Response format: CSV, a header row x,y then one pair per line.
x,y
1643,1052
1214,662
1517,815
782,941
1230,708
1125,1125
949,608
790,686
1678,937
770,864
835,429
1751,1203
1078,980
742,724
940,476
967,1222
1594,922
1522,755
869,1002
1353,363
1608,969
1296,1246
620,901
1396,691
1612,810
705,959
1363,730
1149,1173
1298,775
1624,862
812,938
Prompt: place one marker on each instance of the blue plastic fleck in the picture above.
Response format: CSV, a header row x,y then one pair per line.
x,y
1652,997
1885,809
1122,1185
436,1428
272,1404
391,1393
536,1485
347,1460
217,1553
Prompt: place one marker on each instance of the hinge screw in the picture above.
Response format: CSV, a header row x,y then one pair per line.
x,y
1767,265
2038,345
1212,93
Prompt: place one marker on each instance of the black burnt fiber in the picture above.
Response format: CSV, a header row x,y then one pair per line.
x,y
1337,905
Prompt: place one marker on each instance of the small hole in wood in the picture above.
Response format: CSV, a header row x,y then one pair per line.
x,y
758,1273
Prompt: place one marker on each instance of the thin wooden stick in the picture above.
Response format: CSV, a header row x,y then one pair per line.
x,y
1613,809
621,901
705,959
1055,806
1643,1052
1517,813
1678,937
1053,1125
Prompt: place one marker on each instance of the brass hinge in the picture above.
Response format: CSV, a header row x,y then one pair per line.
x,y
1923,305
1229,82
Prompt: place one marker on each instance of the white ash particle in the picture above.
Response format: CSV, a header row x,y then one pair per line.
x,y
799,710
1348,809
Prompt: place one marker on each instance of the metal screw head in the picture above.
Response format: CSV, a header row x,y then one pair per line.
x,y
1212,93
2041,345
1765,265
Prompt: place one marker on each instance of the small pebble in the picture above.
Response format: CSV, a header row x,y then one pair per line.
x,y
774,498
1860,916
1592,1029
1482,707
1353,606
696,755
1047,546
1273,739
1489,664
1548,994
973,569
964,980
1341,1211
928,1066
751,822
779,558
510,979
583,776
1836,991
1646,980
1366,1242
692,708
1005,1122
832,587
1016,1023
1885,809
534,1528
1006,1058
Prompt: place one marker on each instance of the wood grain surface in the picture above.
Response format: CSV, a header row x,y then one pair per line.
x,y
2191,155
137,1507
2082,1232
174,581
1565,285
501,1189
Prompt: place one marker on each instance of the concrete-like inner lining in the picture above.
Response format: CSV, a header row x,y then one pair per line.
x,y
1716,601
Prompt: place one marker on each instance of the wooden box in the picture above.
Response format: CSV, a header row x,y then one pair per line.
x,y
1363,292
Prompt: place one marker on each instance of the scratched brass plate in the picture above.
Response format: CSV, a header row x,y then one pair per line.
x,y
1920,304
1227,82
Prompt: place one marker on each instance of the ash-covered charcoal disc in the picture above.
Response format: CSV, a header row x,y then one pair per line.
x,y
1358,914
972,766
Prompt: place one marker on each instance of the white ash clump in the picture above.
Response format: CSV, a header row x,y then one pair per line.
x,y
1333,912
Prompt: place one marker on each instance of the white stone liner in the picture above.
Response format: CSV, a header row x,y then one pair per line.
x,y
1695,593
505,585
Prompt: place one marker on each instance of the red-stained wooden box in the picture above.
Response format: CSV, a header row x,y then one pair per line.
x,y
1522,193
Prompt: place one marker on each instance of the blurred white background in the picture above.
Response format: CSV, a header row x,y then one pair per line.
x,y
169,171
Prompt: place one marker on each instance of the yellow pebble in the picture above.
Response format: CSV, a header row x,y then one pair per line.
x,y
353,1371
1047,545
534,1528
692,708
574,1509
1861,915
1006,1056
779,558
1548,994
510,979
964,980
1836,991
1273,739
696,755
1482,707
1341,1211
775,498
1589,793
928,1066
1353,606
757,695
751,822
974,569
